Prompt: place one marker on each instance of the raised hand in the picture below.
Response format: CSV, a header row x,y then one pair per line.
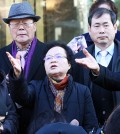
x,y
15,63
89,62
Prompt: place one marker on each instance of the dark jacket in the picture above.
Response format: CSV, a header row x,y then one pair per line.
x,y
36,70
10,123
81,74
90,42
77,103
107,79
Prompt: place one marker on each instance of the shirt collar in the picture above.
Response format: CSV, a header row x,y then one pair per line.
x,y
27,49
110,49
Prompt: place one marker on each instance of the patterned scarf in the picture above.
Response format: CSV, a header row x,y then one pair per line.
x,y
29,55
58,90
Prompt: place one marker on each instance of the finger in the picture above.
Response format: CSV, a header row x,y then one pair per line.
x,y
18,56
9,56
78,60
87,54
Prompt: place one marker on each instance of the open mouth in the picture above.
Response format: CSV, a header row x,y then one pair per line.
x,y
53,66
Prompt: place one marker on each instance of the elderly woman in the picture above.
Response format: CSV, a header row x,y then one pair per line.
x,y
58,92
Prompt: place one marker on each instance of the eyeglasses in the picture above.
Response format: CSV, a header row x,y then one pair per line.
x,y
24,24
58,57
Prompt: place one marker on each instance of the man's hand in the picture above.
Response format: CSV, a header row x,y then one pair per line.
x,y
15,63
74,122
89,62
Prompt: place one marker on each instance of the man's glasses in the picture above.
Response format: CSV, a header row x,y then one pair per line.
x,y
58,57
24,24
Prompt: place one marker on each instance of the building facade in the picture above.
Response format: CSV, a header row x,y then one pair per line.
x,y
60,19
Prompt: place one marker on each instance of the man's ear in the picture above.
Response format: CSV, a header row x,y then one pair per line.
x,y
35,26
116,27
89,28
69,65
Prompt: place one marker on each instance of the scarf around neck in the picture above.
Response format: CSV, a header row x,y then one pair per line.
x,y
58,89
60,85
29,56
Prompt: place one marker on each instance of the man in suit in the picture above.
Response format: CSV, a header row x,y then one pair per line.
x,y
99,74
102,29
22,25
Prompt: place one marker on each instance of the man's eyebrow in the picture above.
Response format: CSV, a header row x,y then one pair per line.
x,y
102,23
97,24
105,23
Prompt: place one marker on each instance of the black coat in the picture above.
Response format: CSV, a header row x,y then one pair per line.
x,y
82,75
36,70
107,79
10,123
77,103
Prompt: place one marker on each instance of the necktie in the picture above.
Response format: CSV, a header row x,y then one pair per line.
x,y
103,61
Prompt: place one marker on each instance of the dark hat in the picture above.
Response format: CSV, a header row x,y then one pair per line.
x,y
21,10
61,128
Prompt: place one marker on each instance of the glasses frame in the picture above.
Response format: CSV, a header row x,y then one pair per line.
x,y
18,24
57,57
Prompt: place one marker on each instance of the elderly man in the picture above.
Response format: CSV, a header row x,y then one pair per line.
x,y
22,24
102,29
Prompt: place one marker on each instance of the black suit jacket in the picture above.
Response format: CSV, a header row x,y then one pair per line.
x,y
107,79
36,71
82,75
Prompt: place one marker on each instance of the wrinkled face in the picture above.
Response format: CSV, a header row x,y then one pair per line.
x,y
102,31
22,30
56,63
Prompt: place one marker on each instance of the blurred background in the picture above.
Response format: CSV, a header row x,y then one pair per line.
x,y
60,19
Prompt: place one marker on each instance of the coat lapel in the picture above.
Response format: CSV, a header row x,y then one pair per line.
x,y
87,71
68,93
36,60
116,58
7,49
116,68
49,93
